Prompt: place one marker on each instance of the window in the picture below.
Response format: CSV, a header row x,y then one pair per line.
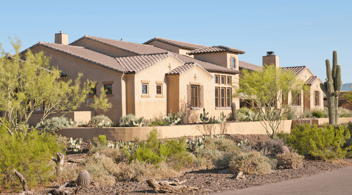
x,y
229,80
194,96
222,95
216,97
216,79
297,98
144,88
284,99
159,89
233,62
316,98
222,79
93,91
108,88
229,97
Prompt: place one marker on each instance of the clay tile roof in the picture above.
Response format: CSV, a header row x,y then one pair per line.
x,y
134,64
136,48
179,44
311,80
186,67
249,66
206,65
215,49
86,54
295,69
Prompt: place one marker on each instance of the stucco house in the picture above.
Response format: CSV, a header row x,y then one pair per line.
x,y
157,77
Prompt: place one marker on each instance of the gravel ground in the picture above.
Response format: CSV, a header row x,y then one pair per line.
x,y
217,180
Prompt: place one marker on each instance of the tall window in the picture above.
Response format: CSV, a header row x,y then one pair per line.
x,y
216,79
284,99
194,96
108,88
159,89
144,88
233,62
222,95
222,79
316,98
229,80
228,97
216,97
297,98
93,90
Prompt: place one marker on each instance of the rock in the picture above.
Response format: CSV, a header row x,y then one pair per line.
x,y
284,149
83,179
239,175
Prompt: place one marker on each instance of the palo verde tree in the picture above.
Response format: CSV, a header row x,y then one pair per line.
x,y
30,84
269,89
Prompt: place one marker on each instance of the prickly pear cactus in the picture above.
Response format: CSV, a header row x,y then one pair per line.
x,y
332,87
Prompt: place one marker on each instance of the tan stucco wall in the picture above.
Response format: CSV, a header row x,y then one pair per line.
x,y
72,66
83,116
130,133
221,58
171,48
153,105
103,48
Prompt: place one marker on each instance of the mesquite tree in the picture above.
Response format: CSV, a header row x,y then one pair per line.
x,y
32,84
332,87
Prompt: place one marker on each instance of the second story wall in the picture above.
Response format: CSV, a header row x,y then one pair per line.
x,y
221,58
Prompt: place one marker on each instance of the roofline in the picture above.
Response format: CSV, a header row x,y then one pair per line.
x,y
305,67
227,49
224,71
88,37
195,64
176,45
70,54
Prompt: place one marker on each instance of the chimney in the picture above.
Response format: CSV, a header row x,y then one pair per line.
x,y
271,59
61,38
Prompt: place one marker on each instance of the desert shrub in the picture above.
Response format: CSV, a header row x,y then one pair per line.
x,y
343,112
244,145
289,160
290,115
100,121
250,163
56,123
28,153
102,139
283,136
322,143
272,147
139,171
109,152
62,140
245,114
102,169
181,160
132,121
306,114
318,113
273,163
170,119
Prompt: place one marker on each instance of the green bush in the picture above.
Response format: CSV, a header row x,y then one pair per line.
x,y
290,115
100,121
154,151
322,143
306,114
318,114
56,123
30,154
250,163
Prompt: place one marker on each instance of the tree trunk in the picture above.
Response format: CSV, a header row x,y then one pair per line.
x,y
22,180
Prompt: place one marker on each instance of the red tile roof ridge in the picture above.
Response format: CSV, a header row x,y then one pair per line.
x,y
180,44
56,44
215,49
90,36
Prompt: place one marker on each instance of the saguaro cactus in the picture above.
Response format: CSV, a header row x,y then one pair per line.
x,y
332,87
233,109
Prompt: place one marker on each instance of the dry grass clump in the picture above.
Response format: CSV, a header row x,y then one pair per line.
x,y
109,152
250,163
219,144
289,161
139,171
102,169
272,147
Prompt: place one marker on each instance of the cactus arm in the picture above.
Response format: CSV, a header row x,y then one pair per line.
x,y
338,81
334,63
323,87
328,70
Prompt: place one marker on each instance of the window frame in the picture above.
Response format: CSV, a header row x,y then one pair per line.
x,y
161,89
105,89
228,97
229,80
195,97
217,97
147,88
217,79
223,97
233,63
222,80
316,98
297,100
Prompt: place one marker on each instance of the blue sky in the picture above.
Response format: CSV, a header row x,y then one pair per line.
x,y
299,32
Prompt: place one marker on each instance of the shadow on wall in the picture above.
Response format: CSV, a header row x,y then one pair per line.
x,y
191,115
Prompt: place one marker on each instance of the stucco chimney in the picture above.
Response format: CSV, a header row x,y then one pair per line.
x,y
61,38
271,59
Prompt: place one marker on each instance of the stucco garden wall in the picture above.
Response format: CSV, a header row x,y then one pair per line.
x,y
77,116
130,133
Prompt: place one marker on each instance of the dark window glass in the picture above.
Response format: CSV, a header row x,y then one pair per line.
x,y
216,97
144,89
93,90
222,97
228,96
297,99
194,96
233,63
216,79
229,80
158,89
108,88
